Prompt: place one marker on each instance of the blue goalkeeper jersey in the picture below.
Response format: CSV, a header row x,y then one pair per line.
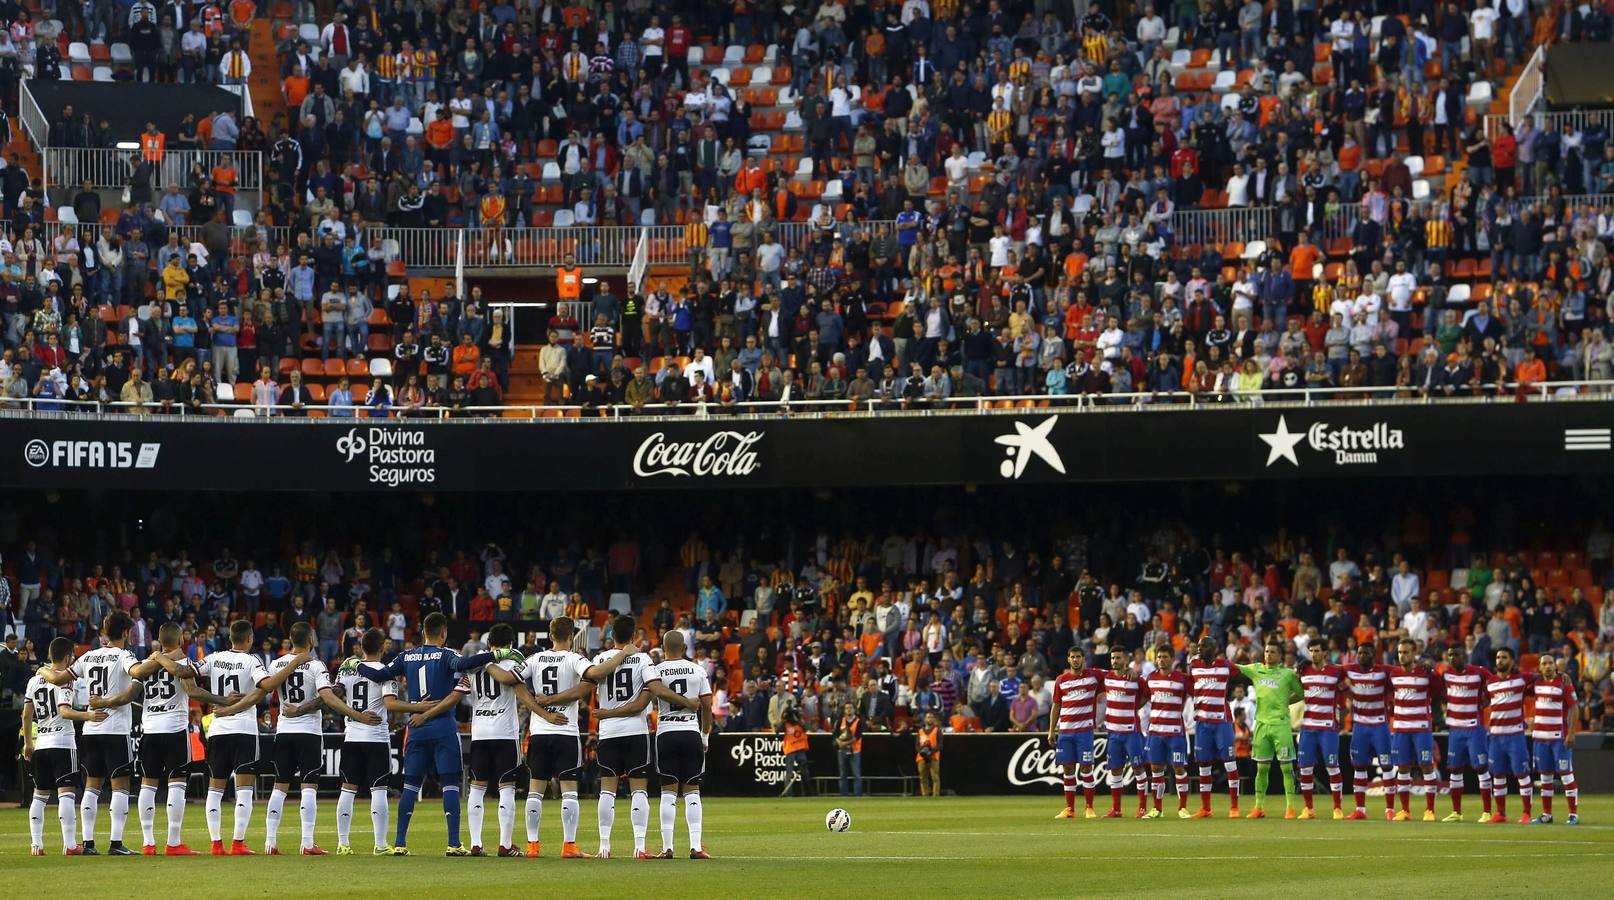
x,y
427,673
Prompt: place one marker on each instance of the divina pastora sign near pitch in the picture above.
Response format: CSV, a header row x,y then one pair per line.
x,y
1151,444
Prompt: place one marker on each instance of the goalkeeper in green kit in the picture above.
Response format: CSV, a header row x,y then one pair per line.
x,y
1275,688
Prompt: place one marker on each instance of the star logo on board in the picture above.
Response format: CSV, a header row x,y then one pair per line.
x,y
1281,443
1027,442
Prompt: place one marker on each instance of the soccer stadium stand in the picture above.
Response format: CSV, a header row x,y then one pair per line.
x,y
897,201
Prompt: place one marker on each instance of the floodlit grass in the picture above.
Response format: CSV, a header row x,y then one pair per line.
x,y
963,847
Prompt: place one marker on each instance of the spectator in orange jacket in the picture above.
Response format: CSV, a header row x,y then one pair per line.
x,y
1530,370
467,356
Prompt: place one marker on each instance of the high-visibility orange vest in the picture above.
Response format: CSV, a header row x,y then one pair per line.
x,y
569,283
151,146
929,737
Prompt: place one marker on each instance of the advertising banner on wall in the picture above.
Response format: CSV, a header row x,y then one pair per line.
x,y
1234,442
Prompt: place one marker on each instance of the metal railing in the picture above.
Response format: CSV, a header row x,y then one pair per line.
x,y
1526,94
1580,119
34,122
109,169
604,245
1222,226
1506,392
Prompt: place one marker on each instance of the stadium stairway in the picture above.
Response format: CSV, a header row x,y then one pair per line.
x,y
267,100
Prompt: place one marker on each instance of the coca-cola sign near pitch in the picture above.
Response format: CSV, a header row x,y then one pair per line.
x,y
721,454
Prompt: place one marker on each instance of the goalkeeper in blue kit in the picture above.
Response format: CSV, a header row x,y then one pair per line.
x,y
432,745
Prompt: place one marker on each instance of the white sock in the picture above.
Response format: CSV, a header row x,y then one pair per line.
x,y
474,810
380,814
535,815
176,813
67,814
87,808
639,815
271,819
344,817
669,818
215,814
692,818
507,815
120,814
607,818
243,811
36,821
148,814
570,812
308,813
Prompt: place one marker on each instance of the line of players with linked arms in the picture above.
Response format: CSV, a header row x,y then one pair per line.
x,y
424,683
1391,708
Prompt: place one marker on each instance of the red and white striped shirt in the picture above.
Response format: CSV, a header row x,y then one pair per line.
x,y
1168,699
1369,693
1210,689
1121,703
1506,694
1555,701
1465,694
1076,697
1324,688
1412,705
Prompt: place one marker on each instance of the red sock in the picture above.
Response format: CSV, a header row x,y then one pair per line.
x,y
1431,788
1502,805
1546,799
1206,783
1336,795
1485,800
1115,799
1457,800
1306,794
1087,795
1361,797
1070,800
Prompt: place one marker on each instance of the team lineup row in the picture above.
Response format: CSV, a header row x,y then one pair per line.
x,y
425,683
1145,718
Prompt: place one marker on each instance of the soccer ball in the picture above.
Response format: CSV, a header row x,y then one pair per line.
x,y
838,820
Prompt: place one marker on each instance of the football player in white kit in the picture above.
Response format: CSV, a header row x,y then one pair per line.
x,y
498,689
299,744
681,743
232,741
50,751
367,748
624,749
101,680
168,683
559,677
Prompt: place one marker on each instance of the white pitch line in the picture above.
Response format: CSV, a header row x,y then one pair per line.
x,y
1178,835
1155,857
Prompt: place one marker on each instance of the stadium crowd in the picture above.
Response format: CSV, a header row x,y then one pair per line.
x,y
993,199
972,625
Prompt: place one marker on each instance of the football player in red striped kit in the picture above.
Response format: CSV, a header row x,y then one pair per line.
x,y
1070,731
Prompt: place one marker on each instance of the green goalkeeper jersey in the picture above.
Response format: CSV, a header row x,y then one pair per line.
x,y
1274,687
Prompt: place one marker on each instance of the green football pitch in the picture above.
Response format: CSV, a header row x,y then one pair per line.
x,y
967,847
